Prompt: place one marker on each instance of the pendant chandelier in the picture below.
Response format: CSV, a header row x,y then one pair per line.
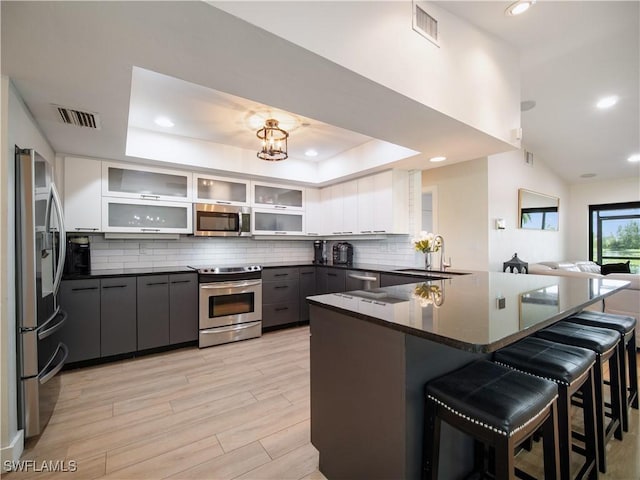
x,y
274,142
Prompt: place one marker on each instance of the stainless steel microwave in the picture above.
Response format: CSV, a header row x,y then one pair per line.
x,y
221,220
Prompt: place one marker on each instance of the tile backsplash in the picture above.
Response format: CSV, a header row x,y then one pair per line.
x,y
196,251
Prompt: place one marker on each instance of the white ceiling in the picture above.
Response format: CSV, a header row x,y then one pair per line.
x,y
81,54
572,54
207,114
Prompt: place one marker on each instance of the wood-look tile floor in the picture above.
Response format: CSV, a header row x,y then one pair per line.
x,y
233,411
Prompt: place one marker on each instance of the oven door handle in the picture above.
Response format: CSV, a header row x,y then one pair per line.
x,y
215,286
239,223
232,328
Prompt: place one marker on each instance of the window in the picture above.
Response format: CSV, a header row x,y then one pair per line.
x,y
615,233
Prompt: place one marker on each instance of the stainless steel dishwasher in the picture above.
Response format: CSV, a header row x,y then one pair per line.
x,y
361,280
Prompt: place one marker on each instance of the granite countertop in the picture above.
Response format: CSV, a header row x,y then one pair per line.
x,y
480,312
186,269
127,272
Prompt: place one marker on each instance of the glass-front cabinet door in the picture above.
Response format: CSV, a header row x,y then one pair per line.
x,y
146,183
278,196
270,222
220,190
122,215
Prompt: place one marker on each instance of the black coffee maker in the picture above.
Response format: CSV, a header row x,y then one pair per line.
x,y
78,257
320,252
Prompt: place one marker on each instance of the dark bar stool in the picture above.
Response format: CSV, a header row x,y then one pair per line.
x,y
603,342
626,326
571,368
498,407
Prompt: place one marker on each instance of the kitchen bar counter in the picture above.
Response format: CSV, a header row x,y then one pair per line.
x,y
479,312
372,352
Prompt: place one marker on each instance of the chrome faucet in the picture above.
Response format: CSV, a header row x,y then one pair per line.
x,y
443,265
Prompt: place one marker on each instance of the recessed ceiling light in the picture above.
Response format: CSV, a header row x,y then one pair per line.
x,y
587,175
519,7
311,153
607,102
164,122
634,158
437,159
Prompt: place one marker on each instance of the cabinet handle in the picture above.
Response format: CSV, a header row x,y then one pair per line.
x,y
220,202
336,233
156,283
153,197
181,281
281,275
150,229
83,288
282,207
281,286
280,233
348,233
114,286
86,229
365,231
332,274
307,273
379,231
280,309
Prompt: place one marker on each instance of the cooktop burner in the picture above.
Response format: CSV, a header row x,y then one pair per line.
x,y
227,270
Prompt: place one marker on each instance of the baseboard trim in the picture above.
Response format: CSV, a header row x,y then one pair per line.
x,y
13,451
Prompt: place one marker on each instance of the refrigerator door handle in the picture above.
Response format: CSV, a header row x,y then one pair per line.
x,y
47,330
62,238
50,371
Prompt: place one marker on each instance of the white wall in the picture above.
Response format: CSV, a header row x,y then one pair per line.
x,y
595,193
17,128
507,173
472,77
462,211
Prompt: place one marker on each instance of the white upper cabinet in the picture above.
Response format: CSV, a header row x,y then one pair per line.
x,y
313,212
340,202
267,221
142,216
82,192
383,203
282,197
220,190
145,183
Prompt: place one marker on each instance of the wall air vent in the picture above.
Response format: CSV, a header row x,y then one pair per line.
x,y
424,24
72,116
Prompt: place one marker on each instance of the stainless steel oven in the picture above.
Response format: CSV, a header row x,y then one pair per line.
x,y
230,304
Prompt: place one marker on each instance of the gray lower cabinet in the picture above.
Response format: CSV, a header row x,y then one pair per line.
x,y
183,308
153,311
81,333
280,296
117,316
307,288
330,280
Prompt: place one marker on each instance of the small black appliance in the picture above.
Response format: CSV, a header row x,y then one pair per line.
x,y
342,253
320,252
78,258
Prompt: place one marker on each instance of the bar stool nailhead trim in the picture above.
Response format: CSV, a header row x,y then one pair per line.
x,y
491,427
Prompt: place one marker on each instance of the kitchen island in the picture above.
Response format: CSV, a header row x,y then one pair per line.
x,y
372,352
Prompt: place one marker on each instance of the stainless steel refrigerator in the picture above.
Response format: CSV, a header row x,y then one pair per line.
x,y
39,263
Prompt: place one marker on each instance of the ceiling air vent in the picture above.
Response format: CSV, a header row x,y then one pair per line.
x,y
72,116
425,24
